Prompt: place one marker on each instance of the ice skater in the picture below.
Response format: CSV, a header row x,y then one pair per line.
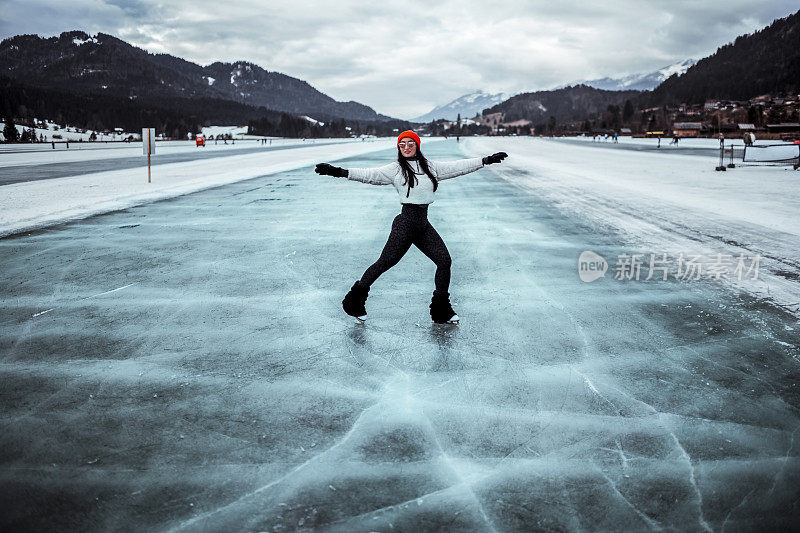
x,y
416,179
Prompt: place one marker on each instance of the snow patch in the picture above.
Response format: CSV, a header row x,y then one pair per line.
x,y
312,120
80,42
215,131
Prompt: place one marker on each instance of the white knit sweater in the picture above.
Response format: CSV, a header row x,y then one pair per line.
x,y
422,191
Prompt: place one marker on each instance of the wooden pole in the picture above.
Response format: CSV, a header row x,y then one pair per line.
x,y
148,156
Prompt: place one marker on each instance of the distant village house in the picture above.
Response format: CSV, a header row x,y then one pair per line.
x,y
687,129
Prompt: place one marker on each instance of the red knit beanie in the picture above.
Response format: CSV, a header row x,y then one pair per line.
x,y
411,135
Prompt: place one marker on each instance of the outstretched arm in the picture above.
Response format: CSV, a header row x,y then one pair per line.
x,y
444,170
374,176
450,169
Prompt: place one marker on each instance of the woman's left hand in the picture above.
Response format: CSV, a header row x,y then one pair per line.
x,y
494,158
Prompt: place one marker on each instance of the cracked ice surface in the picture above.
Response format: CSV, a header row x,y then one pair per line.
x,y
193,371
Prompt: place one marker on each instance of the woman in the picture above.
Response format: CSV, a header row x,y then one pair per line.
x,y
416,180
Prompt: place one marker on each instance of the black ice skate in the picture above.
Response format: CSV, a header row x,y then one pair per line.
x,y
441,311
353,303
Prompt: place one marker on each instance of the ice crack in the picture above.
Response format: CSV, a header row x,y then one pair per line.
x,y
692,481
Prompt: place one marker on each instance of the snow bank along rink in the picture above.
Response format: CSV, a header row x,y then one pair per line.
x,y
12,155
25,206
185,365
666,142
666,202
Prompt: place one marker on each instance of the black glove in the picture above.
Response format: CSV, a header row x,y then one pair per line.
x,y
494,158
330,170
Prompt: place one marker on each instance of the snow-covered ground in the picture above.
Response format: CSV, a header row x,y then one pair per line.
x,y
234,131
29,205
59,133
56,132
663,204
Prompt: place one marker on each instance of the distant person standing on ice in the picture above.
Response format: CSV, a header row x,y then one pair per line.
x,y
416,179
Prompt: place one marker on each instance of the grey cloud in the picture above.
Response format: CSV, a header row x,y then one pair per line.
x,y
134,8
403,58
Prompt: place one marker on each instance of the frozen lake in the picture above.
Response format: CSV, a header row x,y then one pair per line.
x,y
185,364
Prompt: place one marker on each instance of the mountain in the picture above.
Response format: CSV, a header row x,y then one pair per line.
x,y
100,112
643,81
103,64
566,104
468,106
765,62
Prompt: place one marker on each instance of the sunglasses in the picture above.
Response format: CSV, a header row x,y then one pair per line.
x,y
408,144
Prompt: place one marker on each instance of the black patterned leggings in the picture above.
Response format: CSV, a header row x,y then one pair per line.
x,y
411,226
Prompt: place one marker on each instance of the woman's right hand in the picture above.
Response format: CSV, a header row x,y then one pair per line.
x,y
494,158
330,170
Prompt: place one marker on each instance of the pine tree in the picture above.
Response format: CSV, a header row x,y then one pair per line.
x,y
627,111
10,131
28,136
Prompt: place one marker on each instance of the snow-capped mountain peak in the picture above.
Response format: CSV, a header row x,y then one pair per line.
x,y
467,106
677,68
641,81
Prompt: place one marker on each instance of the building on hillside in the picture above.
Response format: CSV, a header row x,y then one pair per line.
x,y
784,127
492,120
687,129
522,123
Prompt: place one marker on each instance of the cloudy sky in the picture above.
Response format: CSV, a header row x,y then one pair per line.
x,y
404,57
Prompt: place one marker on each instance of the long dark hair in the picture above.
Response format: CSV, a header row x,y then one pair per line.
x,y
408,172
